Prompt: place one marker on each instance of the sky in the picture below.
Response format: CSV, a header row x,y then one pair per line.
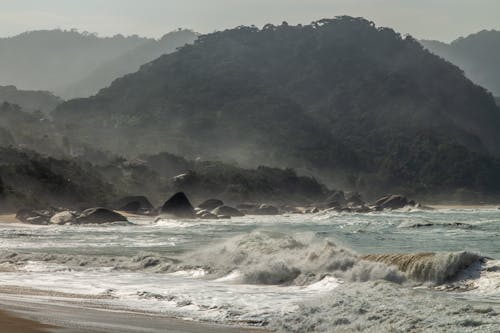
x,y
443,20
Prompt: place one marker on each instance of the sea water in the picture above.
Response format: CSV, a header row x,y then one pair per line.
x,y
391,271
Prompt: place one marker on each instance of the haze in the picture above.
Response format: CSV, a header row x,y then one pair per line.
x,y
443,20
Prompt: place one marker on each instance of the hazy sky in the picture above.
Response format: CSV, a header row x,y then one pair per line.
x,y
436,19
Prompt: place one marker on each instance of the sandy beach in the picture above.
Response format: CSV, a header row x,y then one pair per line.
x,y
12,324
28,314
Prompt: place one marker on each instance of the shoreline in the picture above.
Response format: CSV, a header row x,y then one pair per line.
x,y
12,323
32,314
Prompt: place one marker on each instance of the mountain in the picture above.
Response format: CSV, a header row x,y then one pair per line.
x,y
73,64
52,59
28,100
478,55
341,98
129,62
497,99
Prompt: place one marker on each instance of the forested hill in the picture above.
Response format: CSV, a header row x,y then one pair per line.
x,y
57,60
478,55
336,95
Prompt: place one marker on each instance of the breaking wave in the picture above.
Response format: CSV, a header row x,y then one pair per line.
x,y
267,258
429,267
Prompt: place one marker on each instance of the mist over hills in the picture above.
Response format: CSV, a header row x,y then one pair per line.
x,y
477,54
29,100
128,62
341,98
57,60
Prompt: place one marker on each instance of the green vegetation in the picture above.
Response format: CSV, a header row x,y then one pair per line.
x,y
27,130
163,174
476,54
31,180
339,98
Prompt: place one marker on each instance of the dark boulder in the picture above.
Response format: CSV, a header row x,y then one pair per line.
x,y
134,204
393,202
63,217
355,200
227,211
38,217
336,199
98,216
178,206
211,204
267,210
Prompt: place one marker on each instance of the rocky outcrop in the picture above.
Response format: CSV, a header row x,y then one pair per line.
x,y
178,206
134,205
394,202
227,211
206,215
336,199
38,217
355,200
256,209
211,204
99,215
63,217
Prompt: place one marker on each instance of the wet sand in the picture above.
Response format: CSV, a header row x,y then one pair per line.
x,y
8,218
60,316
464,206
13,324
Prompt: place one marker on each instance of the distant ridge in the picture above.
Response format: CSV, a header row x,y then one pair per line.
x,y
340,97
57,60
477,54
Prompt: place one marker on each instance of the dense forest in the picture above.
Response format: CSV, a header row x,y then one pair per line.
x,y
30,180
77,64
476,54
358,105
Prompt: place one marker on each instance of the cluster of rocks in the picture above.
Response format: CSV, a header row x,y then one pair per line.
x,y
96,215
179,206
354,203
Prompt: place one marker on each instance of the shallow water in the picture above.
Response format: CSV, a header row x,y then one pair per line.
x,y
295,273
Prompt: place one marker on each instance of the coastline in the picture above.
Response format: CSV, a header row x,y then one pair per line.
x,y
31,314
14,324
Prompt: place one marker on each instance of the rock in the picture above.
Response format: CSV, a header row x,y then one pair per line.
x,y
63,217
38,217
267,210
211,204
98,216
355,200
336,199
393,202
205,214
227,211
178,206
253,209
134,205
361,209
208,216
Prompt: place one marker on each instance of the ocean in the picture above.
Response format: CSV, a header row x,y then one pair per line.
x,y
392,271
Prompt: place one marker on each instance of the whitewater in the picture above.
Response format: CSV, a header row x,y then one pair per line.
x,y
392,271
